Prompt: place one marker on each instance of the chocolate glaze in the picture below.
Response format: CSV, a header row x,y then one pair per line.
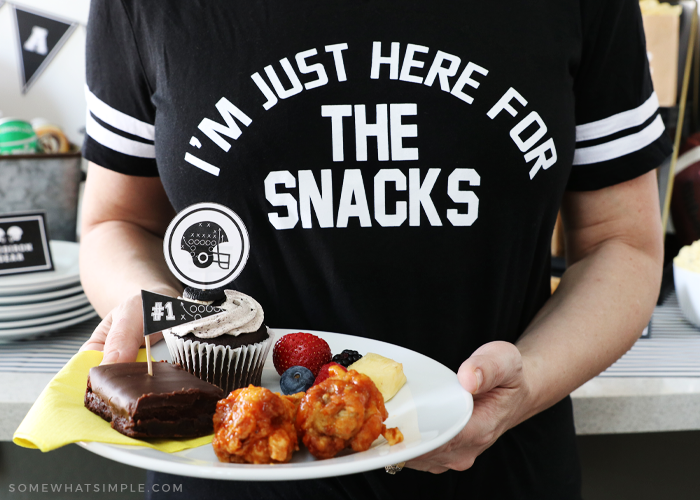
x,y
171,403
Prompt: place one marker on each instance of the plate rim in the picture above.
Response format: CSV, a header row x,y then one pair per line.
x,y
11,284
290,471
43,320
38,298
27,311
16,333
36,288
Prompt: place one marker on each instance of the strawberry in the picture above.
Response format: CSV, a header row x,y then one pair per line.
x,y
323,373
300,349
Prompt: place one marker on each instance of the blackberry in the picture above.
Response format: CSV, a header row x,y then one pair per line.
x,y
347,357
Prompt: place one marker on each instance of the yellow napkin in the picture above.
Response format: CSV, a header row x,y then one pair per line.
x,y
59,417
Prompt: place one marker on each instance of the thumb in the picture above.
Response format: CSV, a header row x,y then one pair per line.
x,y
124,339
125,333
496,364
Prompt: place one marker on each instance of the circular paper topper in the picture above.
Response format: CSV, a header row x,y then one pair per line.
x,y
206,246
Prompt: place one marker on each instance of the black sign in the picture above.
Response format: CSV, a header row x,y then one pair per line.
x,y
24,245
161,312
40,38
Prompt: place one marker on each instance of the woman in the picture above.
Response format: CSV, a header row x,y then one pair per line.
x,y
485,122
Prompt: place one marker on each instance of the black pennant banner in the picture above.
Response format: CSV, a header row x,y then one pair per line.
x,y
161,312
40,37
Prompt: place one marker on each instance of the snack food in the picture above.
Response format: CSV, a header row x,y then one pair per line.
x,y
227,349
347,357
324,372
345,410
300,349
686,280
296,379
386,373
255,425
689,257
171,403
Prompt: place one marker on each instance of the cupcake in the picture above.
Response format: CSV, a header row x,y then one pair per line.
x,y
227,349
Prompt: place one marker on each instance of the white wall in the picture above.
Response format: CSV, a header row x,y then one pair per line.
x,y
57,94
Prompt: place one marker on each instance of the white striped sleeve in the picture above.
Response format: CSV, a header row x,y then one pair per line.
x,y
120,122
618,122
117,119
620,147
113,129
117,142
620,133
606,132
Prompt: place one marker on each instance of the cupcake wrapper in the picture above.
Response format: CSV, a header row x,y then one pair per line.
x,y
227,368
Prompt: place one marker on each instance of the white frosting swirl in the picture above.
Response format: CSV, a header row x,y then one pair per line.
x,y
241,314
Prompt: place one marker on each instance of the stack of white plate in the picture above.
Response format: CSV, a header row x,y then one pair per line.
x,y
38,303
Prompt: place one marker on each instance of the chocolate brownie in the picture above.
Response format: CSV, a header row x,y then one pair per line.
x,y
171,403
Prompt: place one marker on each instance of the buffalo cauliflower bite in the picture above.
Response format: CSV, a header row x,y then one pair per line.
x,y
345,410
254,425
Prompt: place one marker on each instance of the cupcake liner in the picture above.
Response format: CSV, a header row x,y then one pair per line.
x,y
227,368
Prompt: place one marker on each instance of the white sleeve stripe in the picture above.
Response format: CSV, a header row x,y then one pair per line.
x,y
117,119
620,147
116,142
616,123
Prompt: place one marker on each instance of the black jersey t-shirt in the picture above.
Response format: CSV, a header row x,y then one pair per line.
x,y
398,165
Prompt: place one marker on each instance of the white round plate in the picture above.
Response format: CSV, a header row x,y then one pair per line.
x,y
65,273
430,409
44,320
26,311
20,333
15,300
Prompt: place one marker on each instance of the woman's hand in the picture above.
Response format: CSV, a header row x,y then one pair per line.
x,y
614,248
121,253
120,333
494,375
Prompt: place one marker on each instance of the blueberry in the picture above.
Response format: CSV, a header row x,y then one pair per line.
x,y
296,379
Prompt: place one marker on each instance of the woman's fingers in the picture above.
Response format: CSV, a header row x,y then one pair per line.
x,y
120,333
494,375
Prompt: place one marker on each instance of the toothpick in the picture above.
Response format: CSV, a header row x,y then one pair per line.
x,y
148,355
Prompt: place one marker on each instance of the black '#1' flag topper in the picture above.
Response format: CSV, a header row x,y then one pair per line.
x,y
39,38
161,312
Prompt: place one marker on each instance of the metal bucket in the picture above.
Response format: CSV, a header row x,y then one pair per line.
x,y
47,182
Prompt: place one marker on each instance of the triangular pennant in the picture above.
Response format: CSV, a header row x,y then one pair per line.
x,y
39,38
161,312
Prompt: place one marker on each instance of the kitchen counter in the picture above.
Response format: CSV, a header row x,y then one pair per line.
x,y
19,391
607,405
